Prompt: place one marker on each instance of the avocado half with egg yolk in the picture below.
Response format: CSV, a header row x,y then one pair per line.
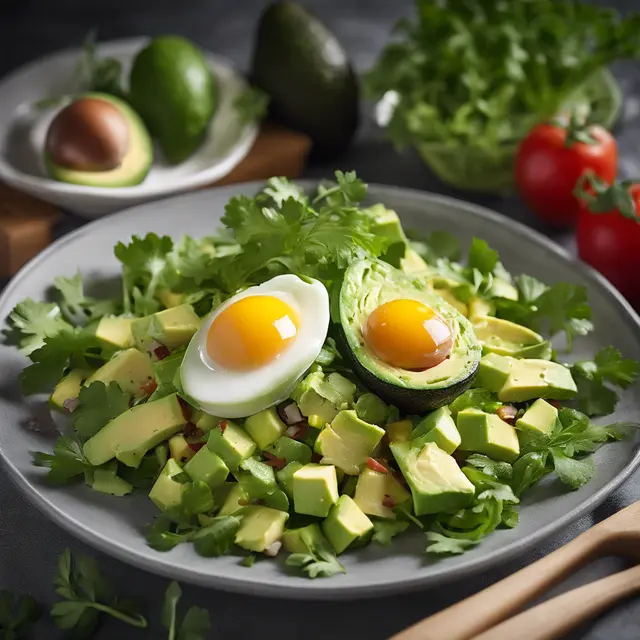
x,y
98,140
419,353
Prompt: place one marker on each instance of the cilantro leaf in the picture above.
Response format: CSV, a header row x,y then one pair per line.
x,y
217,537
251,105
528,470
385,530
280,189
248,561
86,595
319,562
495,468
66,463
435,246
595,397
196,623
479,398
530,288
571,471
17,613
482,257
34,321
441,544
347,190
99,403
78,308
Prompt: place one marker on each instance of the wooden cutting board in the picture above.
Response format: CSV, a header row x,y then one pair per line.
x,y
27,224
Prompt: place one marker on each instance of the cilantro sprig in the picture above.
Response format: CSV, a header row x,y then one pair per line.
x,y
17,614
320,560
195,624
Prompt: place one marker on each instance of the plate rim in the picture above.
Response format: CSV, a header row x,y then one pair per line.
x,y
115,195
331,591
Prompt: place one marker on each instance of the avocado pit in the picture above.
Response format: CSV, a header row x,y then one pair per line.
x,y
90,134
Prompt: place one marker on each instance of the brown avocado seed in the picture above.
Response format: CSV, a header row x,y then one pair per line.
x,y
90,134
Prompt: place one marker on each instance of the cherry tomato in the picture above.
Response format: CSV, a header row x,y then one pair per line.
x,y
610,240
550,160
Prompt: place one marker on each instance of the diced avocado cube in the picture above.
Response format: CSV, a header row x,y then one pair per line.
x,y
538,422
399,431
131,434
372,409
68,388
486,433
348,442
437,484
277,500
179,448
172,327
170,298
106,480
531,379
480,307
285,477
257,478
493,371
503,337
233,444
315,489
205,421
322,397
165,370
303,539
207,467
376,492
387,224
412,263
291,450
131,369
237,499
260,528
316,422
265,427
345,524
114,333
438,427
166,492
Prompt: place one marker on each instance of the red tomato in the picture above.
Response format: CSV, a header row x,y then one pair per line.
x,y
610,242
550,160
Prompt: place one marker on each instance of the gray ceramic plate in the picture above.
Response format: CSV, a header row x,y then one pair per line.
x,y
114,524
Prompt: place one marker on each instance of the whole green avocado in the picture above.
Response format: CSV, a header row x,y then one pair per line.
x,y
302,66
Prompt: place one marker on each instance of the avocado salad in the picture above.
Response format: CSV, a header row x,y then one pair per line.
x,y
313,379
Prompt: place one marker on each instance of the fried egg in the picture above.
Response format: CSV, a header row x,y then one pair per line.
x,y
253,349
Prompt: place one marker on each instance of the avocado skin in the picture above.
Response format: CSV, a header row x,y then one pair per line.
x,y
409,401
301,65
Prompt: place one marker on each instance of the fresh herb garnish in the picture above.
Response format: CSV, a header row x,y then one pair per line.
x,y
320,561
78,308
66,463
34,321
17,614
98,404
385,530
196,623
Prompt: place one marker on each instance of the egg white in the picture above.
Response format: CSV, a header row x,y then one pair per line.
x,y
237,394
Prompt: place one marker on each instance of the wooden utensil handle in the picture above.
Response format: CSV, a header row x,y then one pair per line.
x,y
485,609
554,618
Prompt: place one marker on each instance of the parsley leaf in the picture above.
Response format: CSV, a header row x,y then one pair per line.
x,y
280,189
78,308
478,398
441,544
16,614
251,105
99,403
499,470
319,562
86,594
385,530
571,471
196,623
528,470
434,246
66,463
482,257
34,321
595,397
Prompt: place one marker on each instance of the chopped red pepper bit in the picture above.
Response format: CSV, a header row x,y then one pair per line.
x,y
388,501
161,352
507,413
374,465
555,403
302,430
223,425
196,446
274,461
149,387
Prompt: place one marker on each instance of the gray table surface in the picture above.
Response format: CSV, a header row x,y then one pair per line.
x,y
29,543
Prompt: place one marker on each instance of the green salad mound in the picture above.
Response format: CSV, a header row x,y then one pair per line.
x,y
359,453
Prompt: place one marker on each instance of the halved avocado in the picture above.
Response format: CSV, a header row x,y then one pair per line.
x,y
132,167
371,283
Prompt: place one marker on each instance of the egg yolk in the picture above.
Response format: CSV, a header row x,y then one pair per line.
x,y
252,332
408,335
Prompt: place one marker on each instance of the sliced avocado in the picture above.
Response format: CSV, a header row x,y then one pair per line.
x,y
172,327
348,442
413,263
105,479
260,527
134,432
291,450
322,397
538,422
285,477
114,332
493,371
305,71
448,296
531,379
479,307
205,421
207,467
508,338
179,448
167,492
304,539
438,427
131,369
371,283
437,484
172,87
486,433
134,165
233,444
235,500
68,388
399,431
502,289
376,493
265,427
372,409
345,524
170,298
257,478
315,489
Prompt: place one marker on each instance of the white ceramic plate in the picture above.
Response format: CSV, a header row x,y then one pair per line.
x,y
23,129
115,525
